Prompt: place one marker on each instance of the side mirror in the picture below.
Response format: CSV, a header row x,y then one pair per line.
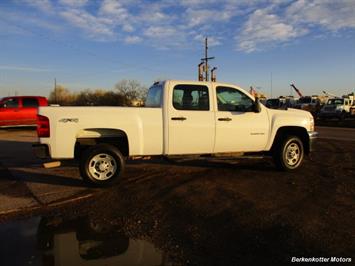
x,y
256,106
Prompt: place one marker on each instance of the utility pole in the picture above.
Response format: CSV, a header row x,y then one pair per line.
x,y
55,90
271,84
205,59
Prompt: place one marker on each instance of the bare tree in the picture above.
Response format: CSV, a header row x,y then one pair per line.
x,y
128,93
62,96
99,98
132,91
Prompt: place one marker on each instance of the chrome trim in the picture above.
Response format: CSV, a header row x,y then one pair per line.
x,y
313,134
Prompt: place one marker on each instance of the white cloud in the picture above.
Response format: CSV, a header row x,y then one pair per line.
x,y
114,8
255,24
127,27
44,5
333,15
74,3
118,14
196,3
264,29
205,16
95,26
166,37
160,32
24,68
15,19
133,39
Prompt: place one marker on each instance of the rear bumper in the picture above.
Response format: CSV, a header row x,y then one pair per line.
x,y
313,136
40,150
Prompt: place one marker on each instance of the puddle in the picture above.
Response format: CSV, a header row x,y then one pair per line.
x,y
53,241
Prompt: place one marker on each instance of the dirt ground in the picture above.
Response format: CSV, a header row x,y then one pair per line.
x,y
238,212
232,212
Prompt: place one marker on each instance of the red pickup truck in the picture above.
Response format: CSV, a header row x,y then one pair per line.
x,y
20,110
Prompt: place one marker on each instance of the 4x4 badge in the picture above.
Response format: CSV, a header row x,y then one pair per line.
x,y
66,120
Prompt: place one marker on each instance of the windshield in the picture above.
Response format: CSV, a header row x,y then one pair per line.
x,y
335,101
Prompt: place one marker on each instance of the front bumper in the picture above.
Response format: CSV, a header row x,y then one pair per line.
x,y
329,115
313,136
40,150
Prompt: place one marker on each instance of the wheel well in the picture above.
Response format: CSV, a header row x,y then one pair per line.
x,y
292,131
120,141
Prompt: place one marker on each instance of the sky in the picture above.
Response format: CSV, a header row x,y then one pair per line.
x,y
90,44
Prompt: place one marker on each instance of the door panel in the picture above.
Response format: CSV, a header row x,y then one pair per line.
x,y
191,121
238,127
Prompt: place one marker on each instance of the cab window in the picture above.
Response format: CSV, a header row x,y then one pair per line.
x,y
10,103
29,102
233,100
191,97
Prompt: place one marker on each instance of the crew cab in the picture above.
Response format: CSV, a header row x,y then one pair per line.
x,y
20,110
179,118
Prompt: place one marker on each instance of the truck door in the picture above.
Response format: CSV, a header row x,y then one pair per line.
x,y
29,110
191,120
9,112
238,127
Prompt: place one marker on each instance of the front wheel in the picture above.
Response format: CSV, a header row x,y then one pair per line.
x,y
102,165
289,154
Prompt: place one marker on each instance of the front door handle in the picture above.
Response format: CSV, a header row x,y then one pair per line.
x,y
225,119
179,118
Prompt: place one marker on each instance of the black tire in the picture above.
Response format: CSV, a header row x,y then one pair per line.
x,y
342,116
102,165
289,153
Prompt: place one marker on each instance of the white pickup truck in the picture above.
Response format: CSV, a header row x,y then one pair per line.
x,y
179,118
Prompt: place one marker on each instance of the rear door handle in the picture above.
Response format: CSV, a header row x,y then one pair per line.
x,y
179,118
224,119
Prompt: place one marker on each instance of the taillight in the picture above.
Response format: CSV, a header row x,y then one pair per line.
x,y
43,126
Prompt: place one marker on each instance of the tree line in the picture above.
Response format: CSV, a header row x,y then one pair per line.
x,y
125,93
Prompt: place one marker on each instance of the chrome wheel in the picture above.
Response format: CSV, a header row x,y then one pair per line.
x,y
288,153
102,166
293,154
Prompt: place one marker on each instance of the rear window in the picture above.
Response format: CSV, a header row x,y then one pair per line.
x,y
30,102
191,97
154,96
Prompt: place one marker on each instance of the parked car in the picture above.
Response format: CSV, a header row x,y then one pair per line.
x,y
280,103
337,108
20,110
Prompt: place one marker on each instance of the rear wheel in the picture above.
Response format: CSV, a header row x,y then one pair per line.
x,y
288,154
342,116
102,165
